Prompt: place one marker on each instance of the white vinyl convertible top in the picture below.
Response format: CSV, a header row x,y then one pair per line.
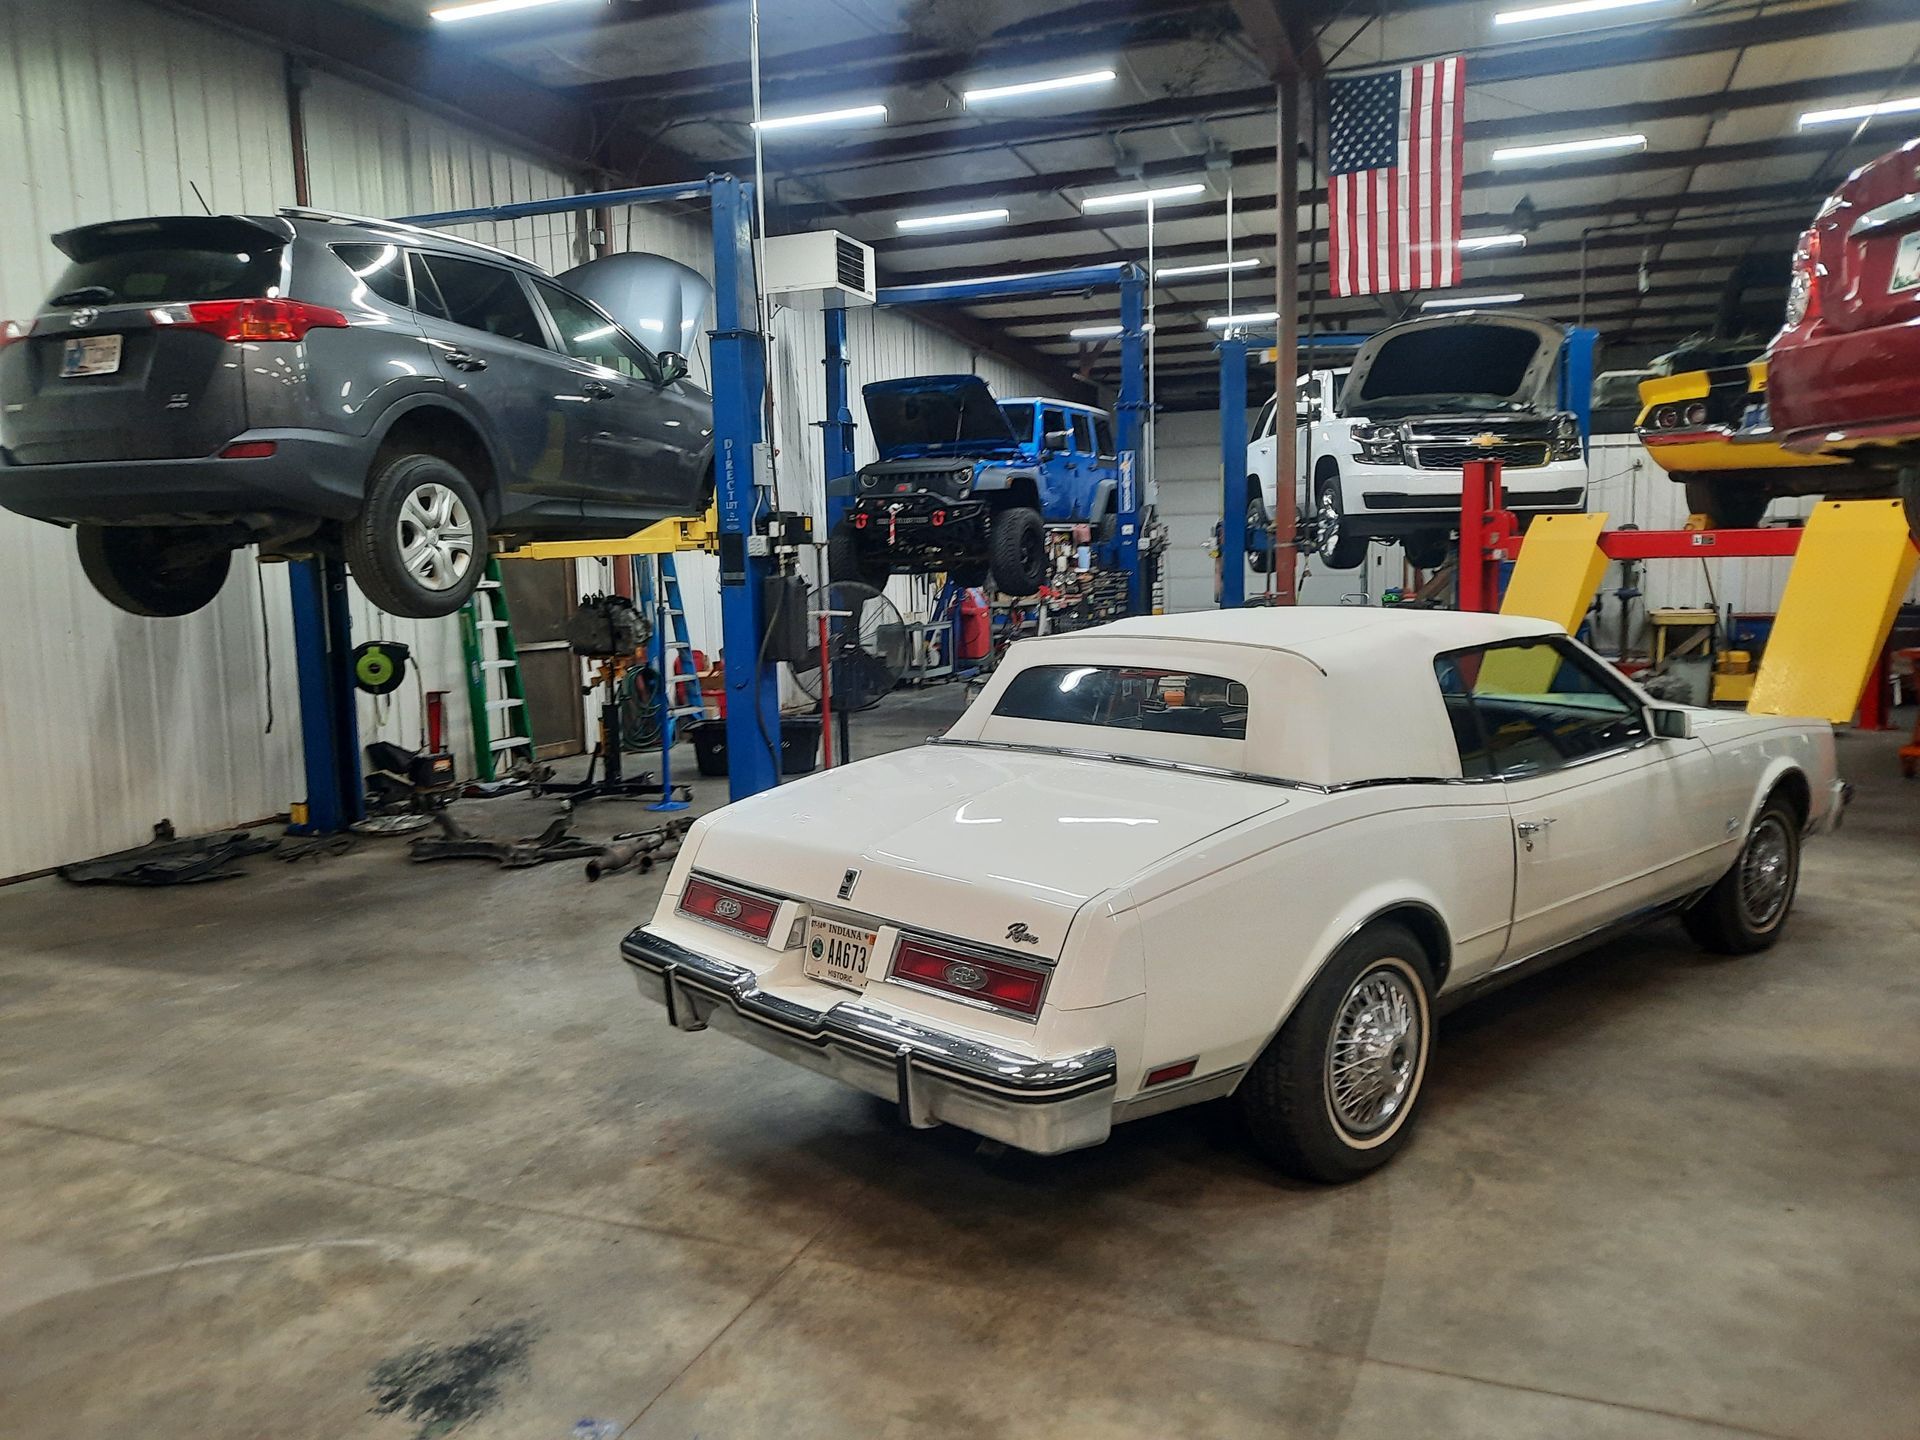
x,y
1336,695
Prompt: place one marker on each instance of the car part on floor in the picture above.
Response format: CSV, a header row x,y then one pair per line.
x,y
169,860
644,848
456,842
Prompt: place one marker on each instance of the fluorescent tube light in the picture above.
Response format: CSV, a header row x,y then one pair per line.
x,y
953,219
480,9
1470,302
1224,322
1143,197
1493,242
1859,112
1598,145
990,93
1218,267
823,117
1100,332
1568,9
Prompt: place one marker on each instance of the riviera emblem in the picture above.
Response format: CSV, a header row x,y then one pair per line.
x,y
726,908
1020,935
964,976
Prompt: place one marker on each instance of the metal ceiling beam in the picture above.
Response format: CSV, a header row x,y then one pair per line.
x,y
1085,31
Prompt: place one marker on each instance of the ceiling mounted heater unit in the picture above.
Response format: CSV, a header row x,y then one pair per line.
x,y
821,270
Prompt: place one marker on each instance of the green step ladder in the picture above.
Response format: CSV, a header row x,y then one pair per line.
x,y
496,696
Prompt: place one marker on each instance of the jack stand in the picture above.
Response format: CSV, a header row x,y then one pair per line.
x,y
615,783
1489,536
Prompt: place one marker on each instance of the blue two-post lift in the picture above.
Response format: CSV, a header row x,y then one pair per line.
x,y
1577,359
738,352
1128,279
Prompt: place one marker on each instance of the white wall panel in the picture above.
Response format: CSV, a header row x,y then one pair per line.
x,y
109,722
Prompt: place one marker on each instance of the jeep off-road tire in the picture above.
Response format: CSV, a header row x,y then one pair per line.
x,y
1017,551
1335,1093
846,560
1748,906
152,569
418,547
1728,505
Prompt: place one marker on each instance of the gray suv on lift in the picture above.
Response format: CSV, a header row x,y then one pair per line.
x,y
322,384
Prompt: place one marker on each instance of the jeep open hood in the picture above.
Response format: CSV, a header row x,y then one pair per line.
x,y
936,414
1473,363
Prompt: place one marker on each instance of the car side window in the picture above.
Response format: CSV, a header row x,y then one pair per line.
x,y
1263,427
1053,428
480,297
1083,433
1103,437
1533,705
381,268
588,335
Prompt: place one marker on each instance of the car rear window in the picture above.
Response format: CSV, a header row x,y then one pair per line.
x,y
1129,697
167,273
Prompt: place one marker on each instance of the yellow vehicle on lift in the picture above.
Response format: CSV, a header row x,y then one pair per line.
x,y
1708,429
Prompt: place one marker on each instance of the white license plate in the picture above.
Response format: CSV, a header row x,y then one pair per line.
x,y
90,355
838,954
1906,264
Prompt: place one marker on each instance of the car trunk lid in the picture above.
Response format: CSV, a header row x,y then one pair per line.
x,y
934,415
1487,363
108,373
969,842
1870,245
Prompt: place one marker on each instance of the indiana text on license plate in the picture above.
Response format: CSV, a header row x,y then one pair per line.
x,y
90,355
838,953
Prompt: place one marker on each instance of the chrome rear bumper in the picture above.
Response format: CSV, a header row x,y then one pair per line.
x,y
934,1077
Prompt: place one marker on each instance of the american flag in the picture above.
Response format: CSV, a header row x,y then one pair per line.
x,y
1393,192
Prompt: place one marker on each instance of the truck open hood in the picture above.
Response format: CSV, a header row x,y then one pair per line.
x,y
1473,363
967,842
936,415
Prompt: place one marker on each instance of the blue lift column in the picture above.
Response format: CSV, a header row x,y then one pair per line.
x,y
1131,428
1233,471
836,431
329,726
739,392
1577,357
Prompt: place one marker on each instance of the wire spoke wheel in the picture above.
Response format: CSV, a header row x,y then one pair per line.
x,y
1373,1054
1766,872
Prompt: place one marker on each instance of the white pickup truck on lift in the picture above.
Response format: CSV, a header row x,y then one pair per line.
x,y
1382,445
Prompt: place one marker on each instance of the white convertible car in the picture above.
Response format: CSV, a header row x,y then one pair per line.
x,y
1234,853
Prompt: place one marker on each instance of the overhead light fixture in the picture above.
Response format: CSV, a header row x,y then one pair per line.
x,y
1101,332
1570,9
480,9
1225,322
990,93
1600,144
1144,197
1470,302
823,117
1218,267
1859,112
954,220
1513,241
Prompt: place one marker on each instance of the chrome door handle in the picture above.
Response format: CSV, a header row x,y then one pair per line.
x,y
597,390
1527,829
465,360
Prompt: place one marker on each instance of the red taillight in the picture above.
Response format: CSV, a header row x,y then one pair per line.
x,y
12,330
1179,1070
740,910
245,321
970,974
249,450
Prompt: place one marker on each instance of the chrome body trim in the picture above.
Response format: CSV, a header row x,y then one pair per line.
x,y
1150,762
1891,213
1510,970
1045,1105
1191,1091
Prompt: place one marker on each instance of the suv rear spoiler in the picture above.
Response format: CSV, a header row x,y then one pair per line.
x,y
192,232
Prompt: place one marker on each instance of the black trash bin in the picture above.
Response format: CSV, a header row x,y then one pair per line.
x,y
799,745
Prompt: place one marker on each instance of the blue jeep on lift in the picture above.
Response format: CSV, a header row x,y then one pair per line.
x,y
967,485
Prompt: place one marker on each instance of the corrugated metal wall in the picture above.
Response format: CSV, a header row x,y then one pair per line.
x,y
109,722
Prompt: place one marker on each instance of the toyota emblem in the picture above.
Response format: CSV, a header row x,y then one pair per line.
x,y
83,317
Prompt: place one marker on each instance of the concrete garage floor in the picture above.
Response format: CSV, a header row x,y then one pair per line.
x,y
360,1148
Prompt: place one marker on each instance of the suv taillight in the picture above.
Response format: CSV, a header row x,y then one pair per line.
x,y
12,330
1003,984
752,915
245,321
1803,290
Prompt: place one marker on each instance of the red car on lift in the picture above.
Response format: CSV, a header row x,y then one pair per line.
x,y
1844,376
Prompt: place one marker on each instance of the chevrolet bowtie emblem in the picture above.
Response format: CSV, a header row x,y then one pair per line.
x,y
1486,440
